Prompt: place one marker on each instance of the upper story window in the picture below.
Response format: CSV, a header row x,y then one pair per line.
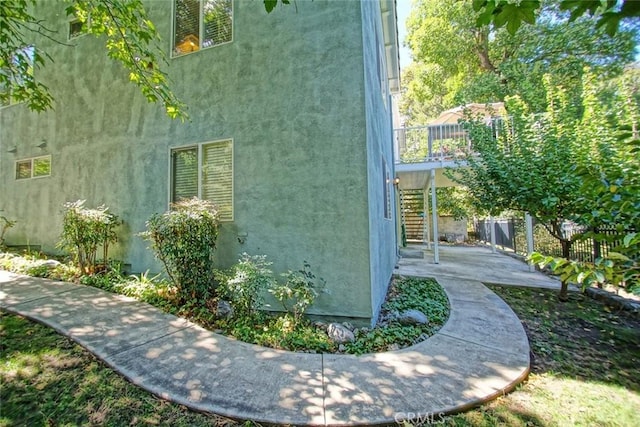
x,y
77,28
199,24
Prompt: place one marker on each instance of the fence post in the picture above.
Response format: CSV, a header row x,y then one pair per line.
x,y
492,233
529,227
596,246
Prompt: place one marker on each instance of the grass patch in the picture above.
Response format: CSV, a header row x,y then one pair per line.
x,y
584,365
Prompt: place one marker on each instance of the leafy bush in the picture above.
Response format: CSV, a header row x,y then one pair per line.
x,y
84,230
245,283
184,240
298,292
5,224
281,332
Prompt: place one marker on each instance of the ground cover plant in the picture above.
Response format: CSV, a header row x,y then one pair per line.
x,y
244,286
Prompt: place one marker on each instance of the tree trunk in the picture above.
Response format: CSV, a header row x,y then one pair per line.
x,y
564,287
482,50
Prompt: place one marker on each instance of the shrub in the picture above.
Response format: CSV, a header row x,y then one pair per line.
x,y
245,283
84,230
5,224
298,292
184,240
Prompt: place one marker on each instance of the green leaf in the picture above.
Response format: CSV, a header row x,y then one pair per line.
x,y
630,238
269,5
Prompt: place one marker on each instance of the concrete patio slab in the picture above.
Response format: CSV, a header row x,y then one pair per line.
x,y
477,263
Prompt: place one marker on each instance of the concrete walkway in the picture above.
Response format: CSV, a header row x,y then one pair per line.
x,y
480,353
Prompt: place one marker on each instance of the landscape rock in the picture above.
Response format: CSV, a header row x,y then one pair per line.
x,y
224,310
50,263
340,334
412,317
348,325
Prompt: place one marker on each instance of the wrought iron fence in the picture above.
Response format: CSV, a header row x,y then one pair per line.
x,y
510,233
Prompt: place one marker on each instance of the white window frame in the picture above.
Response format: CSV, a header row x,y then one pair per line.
x,y
172,50
32,161
200,146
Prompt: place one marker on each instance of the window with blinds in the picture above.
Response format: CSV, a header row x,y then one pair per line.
x,y
205,171
184,180
200,24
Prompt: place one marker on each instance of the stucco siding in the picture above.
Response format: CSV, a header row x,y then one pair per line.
x,y
289,92
382,228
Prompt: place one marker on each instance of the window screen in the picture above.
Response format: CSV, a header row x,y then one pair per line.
x,y
185,174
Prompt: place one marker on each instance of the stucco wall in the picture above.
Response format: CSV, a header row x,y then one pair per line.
x,y
290,94
450,228
379,146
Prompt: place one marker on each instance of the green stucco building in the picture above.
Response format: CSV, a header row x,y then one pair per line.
x,y
290,134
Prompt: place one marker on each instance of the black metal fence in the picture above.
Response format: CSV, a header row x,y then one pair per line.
x,y
510,233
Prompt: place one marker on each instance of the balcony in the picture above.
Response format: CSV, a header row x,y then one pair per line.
x,y
431,143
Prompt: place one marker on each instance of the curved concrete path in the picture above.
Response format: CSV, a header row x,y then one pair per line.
x,y
479,354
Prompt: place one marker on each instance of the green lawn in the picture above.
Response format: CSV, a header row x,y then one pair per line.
x,y
585,367
585,371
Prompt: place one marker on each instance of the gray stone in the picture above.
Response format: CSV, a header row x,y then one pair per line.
x,y
348,325
339,333
50,263
224,310
412,317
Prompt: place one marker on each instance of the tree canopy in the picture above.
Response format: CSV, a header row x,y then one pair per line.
x,y
513,13
457,61
567,164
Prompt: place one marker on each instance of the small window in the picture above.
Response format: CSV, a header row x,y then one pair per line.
x,y
205,171
77,28
35,167
199,24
